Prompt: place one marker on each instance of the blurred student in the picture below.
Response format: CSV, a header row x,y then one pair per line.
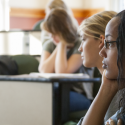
x,y
62,56
113,78
92,31
54,4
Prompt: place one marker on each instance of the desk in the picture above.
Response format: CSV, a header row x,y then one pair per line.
x,y
29,100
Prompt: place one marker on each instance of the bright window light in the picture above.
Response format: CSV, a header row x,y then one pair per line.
x,y
13,43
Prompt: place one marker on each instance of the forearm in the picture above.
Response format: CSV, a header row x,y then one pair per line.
x,y
97,110
48,65
61,59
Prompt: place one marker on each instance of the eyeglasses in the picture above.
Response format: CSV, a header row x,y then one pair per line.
x,y
109,45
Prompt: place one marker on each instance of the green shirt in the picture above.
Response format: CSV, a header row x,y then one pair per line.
x,y
50,47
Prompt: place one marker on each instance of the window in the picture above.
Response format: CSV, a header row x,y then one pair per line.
x,y
4,13
115,5
20,42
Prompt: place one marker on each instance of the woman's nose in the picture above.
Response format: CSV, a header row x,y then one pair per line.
x,y
102,52
80,48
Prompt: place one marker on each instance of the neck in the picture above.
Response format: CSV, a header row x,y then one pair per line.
x,y
99,66
100,70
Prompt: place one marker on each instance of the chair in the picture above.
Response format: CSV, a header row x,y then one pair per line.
x,y
26,63
74,117
37,25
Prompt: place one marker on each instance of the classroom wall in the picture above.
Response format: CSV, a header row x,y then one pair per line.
x,y
40,4
86,4
32,4
23,13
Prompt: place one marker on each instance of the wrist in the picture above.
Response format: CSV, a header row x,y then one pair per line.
x,y
62,45
109,86
107,91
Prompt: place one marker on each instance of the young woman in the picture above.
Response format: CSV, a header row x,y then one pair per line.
x,y
113,78
62,56
92,32
54,4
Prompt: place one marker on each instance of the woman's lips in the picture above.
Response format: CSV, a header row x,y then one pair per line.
x,y
104,66
82,57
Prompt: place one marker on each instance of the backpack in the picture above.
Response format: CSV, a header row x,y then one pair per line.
x,y
8,66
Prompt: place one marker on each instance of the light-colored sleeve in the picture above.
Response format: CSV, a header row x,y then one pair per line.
x,y
45,37
115,119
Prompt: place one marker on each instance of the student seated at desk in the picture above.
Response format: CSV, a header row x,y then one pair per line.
x,y
92,31
113,78
54,4
62,55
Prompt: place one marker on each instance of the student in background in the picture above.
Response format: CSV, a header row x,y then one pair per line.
x,y
61,55
92,32
53,4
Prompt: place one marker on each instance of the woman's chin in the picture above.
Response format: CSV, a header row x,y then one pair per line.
x,y
110,75
86,65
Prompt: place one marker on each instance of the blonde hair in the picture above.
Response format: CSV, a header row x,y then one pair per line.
x,y
95,25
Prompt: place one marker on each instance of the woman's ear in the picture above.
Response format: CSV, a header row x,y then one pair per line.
x,y
101,42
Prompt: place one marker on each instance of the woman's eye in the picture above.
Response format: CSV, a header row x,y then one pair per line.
x,y
83,39
110,44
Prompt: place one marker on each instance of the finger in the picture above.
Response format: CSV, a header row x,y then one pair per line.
x,y
119,122
111,122
107,123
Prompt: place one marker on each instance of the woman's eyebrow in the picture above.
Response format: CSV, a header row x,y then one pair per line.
x,y
107,35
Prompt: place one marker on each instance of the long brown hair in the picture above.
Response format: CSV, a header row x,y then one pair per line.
x,y
54,4
58,22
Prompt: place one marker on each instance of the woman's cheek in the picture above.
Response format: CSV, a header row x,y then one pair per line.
x,y
84,49
56,40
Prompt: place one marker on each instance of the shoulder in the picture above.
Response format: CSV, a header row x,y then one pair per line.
x,y
49,46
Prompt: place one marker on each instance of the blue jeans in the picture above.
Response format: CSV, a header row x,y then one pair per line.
x,y
78,102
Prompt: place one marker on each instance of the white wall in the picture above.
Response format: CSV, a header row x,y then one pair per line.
x,y
115,5
33,4
40,4
85,4
4,14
